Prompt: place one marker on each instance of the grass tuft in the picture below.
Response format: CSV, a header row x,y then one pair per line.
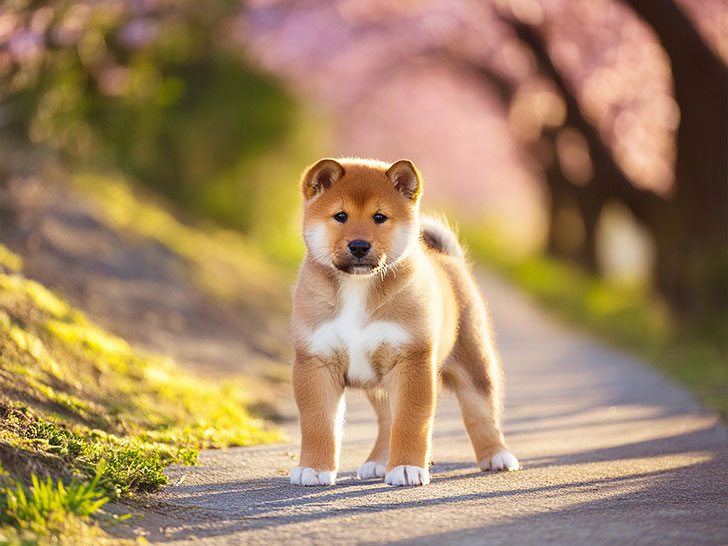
x,y
45,505
46,513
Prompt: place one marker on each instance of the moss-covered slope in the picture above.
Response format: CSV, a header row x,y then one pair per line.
x,y
72,394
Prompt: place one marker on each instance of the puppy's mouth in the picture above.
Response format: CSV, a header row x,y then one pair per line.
x,y
359,268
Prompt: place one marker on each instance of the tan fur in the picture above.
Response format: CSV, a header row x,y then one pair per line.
x,y
421,298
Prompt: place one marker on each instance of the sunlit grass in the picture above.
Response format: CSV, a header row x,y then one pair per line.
x,y
74,395
627,315
76,401
9,260
47,512
46,504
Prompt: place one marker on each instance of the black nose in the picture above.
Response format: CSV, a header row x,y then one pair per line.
x,y
359,248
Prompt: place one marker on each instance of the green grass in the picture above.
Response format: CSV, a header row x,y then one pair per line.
x,y
47,504
46,513
627,315
78,402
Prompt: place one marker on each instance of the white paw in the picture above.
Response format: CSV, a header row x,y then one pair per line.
x,y
503,460
371,470
308,476
407,475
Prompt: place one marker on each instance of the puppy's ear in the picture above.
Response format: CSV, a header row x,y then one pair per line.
x,y
320,176
406,179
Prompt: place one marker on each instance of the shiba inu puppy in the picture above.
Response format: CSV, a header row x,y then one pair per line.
x,y
386,302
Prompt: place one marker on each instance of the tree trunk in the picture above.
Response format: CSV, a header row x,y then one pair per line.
x,y
560,189
694,250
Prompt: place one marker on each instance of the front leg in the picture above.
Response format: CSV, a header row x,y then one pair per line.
x,y
376,464
412,388
319,393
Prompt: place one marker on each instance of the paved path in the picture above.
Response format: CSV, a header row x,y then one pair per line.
x,y
611,452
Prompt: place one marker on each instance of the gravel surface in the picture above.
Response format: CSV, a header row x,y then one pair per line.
x,y
612,453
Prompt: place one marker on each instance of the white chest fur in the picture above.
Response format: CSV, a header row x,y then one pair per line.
x,y
352,331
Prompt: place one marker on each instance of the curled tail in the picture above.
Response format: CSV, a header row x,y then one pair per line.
x,y
438,235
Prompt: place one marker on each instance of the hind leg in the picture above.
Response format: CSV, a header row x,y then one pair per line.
x,y
376,464
476,376
477,385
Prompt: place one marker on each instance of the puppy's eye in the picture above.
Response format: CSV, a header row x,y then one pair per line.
x,y
379,218
340,217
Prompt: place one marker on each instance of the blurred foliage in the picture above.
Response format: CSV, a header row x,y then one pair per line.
x,y
626,314
161,91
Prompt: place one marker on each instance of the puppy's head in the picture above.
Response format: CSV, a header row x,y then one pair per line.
x,y
360,216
